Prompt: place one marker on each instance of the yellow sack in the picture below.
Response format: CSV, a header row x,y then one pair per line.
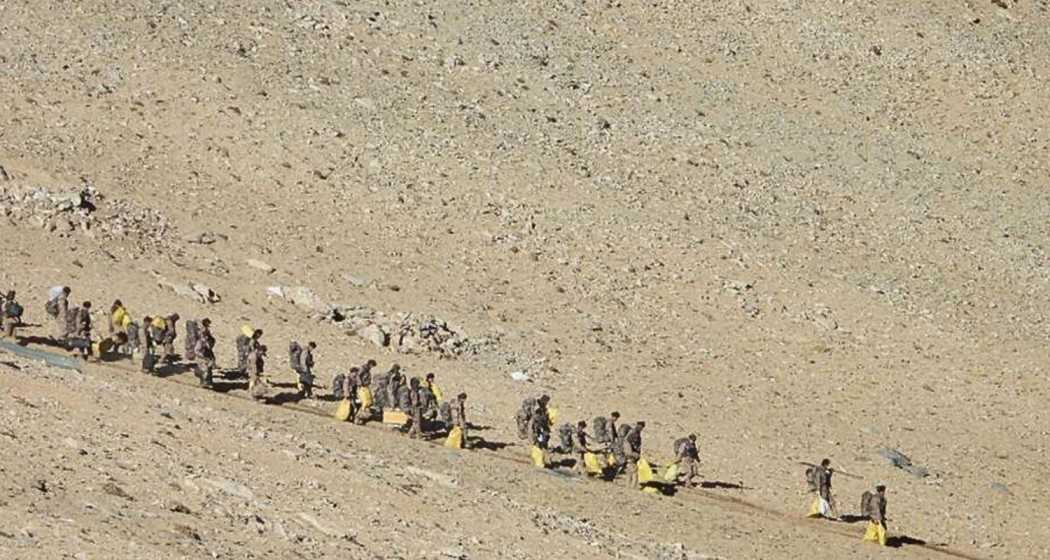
x,y
610,459
537,457
876,533
342,413
592,464
671,475
159,323
247,330
819,508
364,396
455,438
645,471
438,393
120,317
391,416
552,413
123,324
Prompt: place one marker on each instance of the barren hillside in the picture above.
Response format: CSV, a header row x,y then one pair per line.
x,y
798,229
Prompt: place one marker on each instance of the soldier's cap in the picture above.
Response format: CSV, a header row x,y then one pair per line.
x,y
86,305
430,376
880,488
692,437
615,414
175,316
640,423
312,344
544,398
206,322
462,396
11,294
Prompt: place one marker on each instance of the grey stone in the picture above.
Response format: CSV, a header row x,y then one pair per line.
x,y
260,265
374,334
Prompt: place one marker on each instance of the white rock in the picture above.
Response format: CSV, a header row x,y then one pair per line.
x,y
374,334
260,265
519,376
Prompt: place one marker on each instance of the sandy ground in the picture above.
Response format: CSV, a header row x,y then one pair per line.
x,y
798,230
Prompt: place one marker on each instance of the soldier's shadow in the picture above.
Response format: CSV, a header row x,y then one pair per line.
x,y
903,540
226,387
284,398
488,445
853,518
168,370
718,484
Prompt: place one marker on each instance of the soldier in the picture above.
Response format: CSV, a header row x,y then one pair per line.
x,y
394,382
580,446
364,374
459,416
415,408
540,427
81,328
118,318
614,417
167,338
306,371
58,307
10,314
873,506
149,359
632,452
434,389
204,348
688,457
819,479
256,367
430,404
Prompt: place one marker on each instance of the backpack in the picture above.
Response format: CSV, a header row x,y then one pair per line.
x,y
811,478
132,331
192,333
13,310
445,413
565,432
865,503
601,430
51,307
295,352
337,386
523,418
71,319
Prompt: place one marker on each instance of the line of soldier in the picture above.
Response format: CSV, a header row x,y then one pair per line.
x,y
420,400
872,504
614,449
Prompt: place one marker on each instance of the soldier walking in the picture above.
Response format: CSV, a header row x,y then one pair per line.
x,y
204,348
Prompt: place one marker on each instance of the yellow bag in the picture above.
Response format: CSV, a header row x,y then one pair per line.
x,y
455,438
120,317
364,396
552,413
645,471
876,533
671,475
610,459
819,508
342,413
247,330
645,476
123,324
391,416
592,464
438,393
159,323
537,457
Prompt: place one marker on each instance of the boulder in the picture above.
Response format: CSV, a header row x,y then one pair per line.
x,y
260,265
374,334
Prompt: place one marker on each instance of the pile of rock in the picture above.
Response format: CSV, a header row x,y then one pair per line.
x,y
82,209
406,333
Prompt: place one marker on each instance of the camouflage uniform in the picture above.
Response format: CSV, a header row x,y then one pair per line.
x,y
540,427
415,408
62,303
205,351
306,372
580,447
9,322
632,452
244,347
688,457
167,339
